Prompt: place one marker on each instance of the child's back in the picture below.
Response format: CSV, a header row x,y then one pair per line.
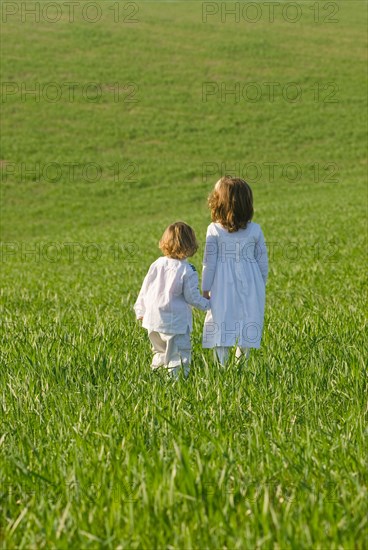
x,y
164,303
171,285
235,268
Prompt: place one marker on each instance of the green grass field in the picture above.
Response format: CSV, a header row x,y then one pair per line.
x,y
97,451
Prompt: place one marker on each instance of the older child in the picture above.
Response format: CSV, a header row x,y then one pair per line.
x,y
235,269
169,289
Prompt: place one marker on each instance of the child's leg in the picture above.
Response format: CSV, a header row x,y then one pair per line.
x,y
178,354
158,348
241,352
221,354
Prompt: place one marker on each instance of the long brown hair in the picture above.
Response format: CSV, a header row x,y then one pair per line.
x,y
231,203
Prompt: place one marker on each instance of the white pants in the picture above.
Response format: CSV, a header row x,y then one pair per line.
x,y
172,351
222,353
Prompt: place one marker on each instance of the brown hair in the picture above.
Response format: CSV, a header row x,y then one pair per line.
x,y
231,203
178,241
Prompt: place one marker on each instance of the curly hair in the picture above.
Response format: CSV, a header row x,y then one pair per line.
x,y
231,203
178,241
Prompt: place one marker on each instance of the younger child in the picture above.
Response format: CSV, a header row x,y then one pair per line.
x,y
169,289
235,269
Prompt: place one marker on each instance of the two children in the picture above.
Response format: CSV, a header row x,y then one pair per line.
x,y
235,268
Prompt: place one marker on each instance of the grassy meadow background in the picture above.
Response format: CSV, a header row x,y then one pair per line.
x,y
97,451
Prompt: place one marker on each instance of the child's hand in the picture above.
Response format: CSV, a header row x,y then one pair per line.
x,y
206,294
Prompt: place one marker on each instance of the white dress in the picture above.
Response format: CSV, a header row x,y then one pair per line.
x,y
235,269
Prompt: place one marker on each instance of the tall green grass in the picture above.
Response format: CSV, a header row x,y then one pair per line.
x,y
98,451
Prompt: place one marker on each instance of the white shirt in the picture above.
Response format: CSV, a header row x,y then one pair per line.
x,y
169,289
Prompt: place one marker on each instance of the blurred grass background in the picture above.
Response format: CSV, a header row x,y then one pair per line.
x,y
97,451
